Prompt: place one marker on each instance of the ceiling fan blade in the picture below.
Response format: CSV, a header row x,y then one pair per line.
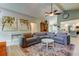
x,y
58,13
46,12
55,10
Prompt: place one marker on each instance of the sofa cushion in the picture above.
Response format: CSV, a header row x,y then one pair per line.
x,y
61,33
50,33
39,34
45,36
28,35
32,38
59,38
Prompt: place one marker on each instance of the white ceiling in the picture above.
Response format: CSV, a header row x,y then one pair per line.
x,y
32,9
70,6
37,9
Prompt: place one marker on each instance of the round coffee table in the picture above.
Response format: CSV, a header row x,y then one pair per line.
x,y
47,41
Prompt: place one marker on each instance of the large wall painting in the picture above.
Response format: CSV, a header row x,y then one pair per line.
x,y
9,23
23,25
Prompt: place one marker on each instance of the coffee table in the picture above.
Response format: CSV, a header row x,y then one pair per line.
x,y
47,41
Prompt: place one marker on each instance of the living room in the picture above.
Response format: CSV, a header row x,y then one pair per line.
x,y
38,29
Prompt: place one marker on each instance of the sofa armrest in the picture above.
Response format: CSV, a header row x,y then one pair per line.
x,y
23,42
68,39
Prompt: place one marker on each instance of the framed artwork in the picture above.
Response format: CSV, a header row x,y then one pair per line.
x,y
8,23
23,25
0,24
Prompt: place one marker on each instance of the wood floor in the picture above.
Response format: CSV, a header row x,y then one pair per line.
x,y
16,50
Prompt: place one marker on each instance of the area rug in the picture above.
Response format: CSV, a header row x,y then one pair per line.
x,y
57,50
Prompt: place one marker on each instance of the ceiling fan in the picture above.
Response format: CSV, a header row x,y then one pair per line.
x,y
52,12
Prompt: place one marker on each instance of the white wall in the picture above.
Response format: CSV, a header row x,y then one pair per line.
x,y
33,27
5,35
51,21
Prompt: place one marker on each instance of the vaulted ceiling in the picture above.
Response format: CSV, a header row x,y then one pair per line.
x,y
37,9
70,6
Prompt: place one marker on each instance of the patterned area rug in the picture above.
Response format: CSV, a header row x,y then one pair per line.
x,y
57,50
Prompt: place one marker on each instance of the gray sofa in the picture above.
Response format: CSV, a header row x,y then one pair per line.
x,y
61,38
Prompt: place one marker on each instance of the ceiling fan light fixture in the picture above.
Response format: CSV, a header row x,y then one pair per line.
x,y
51,14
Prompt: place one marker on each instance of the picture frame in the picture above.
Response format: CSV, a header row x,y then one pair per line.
x,y
8,23
23,25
